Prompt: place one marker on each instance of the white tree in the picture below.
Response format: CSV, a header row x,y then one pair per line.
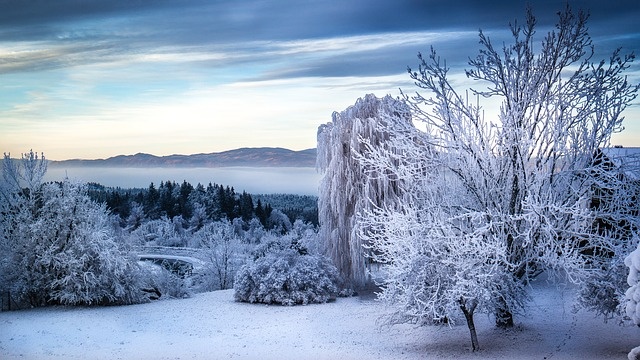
x,y
19,199
223,252
77,253
135,218
632,294
344,190
58,245
520,183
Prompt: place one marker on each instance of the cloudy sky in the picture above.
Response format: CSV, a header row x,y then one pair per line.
x,y
95,78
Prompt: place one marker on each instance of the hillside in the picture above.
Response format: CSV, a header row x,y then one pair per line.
x,y
252,157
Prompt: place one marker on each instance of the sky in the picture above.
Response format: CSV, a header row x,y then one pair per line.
x,y
93,79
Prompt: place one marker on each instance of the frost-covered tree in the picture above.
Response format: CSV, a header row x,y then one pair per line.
x,y
631,299
135,218
223,252
20,197
58,245
519,182
76,251
615,196
345,190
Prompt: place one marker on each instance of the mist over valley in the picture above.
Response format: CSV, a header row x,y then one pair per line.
x,y
255,170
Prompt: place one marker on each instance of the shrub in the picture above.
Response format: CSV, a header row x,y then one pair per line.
x,y
161,283
285,275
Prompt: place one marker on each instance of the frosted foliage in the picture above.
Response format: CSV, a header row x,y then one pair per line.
x,y
223,253
283,272
632,295
487,203
89,266
58,245
433,269
344,188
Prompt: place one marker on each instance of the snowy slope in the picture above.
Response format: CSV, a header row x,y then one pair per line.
x,y
213,326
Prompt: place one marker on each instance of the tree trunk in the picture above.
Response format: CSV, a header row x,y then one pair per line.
x,y
468,314
504,317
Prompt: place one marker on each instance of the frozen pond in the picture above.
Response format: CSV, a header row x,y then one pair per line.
x,y
254,180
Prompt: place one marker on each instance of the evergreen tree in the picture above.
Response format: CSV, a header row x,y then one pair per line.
x,y
184,208
246,206
151,203
261,213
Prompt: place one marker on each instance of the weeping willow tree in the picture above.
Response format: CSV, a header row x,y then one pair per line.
x,y
347,186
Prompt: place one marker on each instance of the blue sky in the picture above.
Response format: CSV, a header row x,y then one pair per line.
x,y
93,79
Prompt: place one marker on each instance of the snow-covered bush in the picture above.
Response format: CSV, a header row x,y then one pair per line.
x,y
286,274
632,295
279,221
161,283
161,232
61,249
58,246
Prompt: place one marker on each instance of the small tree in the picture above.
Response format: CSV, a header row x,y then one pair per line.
x,y
76,251
223,253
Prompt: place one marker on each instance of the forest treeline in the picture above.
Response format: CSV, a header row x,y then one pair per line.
x,y
199,204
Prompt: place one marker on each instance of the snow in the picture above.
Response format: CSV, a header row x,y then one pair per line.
x,y
632,295
213,326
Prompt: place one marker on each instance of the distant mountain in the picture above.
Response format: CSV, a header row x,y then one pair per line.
x,y
253,157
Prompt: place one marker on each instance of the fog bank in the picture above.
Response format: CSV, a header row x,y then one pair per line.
x,y
254,180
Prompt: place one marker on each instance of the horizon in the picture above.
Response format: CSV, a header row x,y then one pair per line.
x,y
200,153
96,79
228,150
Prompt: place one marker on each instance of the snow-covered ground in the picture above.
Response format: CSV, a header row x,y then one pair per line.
x,y
213,326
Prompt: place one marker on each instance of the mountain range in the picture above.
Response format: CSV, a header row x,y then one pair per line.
x,y
250,157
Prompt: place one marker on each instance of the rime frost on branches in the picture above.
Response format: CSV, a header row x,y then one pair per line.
x,y
58,246
285,270
223,253
344,188
632,295
514,193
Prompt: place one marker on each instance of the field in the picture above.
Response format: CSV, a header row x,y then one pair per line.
x,y
214,326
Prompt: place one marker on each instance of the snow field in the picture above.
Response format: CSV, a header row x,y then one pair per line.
x,y
213,326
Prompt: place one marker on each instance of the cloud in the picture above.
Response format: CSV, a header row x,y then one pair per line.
x,y
219,74
40,35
